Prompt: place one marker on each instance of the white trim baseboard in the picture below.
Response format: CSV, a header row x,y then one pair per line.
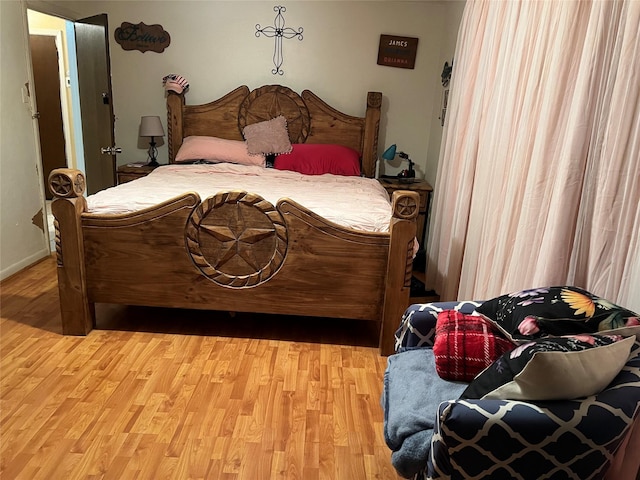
x,y
24,263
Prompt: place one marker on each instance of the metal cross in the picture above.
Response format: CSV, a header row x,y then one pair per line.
x,y
278,31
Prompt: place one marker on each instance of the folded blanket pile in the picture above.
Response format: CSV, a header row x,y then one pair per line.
x,y
410,398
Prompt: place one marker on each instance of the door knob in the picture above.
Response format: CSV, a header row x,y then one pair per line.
x,y
110,150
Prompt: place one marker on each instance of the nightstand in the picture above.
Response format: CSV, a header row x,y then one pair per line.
x,y
126,173
423,189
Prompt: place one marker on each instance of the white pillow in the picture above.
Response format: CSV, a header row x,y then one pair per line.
x,y
553,368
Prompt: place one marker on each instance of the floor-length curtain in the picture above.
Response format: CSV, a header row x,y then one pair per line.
x,y
539,173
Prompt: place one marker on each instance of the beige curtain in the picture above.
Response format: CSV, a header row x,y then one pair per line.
x,y
539,174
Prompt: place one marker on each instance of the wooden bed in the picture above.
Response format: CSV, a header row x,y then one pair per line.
x,y
314,268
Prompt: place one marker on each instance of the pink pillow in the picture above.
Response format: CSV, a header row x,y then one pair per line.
x,y
268,137
216,150
318,159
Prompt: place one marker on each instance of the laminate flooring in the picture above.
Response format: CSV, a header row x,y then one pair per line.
x,y
181,394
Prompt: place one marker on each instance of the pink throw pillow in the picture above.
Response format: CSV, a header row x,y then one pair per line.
x,y
268,137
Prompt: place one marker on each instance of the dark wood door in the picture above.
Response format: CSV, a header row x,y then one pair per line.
x,y
94,78
46,77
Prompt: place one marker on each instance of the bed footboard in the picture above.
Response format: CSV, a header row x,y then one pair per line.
x,y
232,251
399,266
78,314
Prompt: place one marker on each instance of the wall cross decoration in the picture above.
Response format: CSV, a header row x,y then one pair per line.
x,y
278,31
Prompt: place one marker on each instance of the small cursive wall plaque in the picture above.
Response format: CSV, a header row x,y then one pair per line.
x,y
142,37
397,51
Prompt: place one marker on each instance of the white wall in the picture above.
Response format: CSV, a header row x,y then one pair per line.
x,y
453,15
213,44
21,194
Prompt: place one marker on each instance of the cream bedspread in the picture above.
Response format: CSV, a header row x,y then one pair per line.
x,y
354,202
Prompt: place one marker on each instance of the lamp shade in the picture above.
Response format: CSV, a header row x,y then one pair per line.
x,y
151,127
390,153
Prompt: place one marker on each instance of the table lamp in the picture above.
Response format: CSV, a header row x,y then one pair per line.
x,y
405,175
151,127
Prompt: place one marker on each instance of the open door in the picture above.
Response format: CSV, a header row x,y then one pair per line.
x,y
46,77
94,82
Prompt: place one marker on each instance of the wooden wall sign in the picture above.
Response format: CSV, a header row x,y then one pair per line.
x,y
142,37
397,51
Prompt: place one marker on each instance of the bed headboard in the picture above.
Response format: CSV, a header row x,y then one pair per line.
x,y
309,119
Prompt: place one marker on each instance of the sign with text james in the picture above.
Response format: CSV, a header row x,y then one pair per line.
x,y
397,51
142,37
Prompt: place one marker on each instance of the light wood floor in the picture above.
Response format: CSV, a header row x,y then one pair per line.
x,y
172,394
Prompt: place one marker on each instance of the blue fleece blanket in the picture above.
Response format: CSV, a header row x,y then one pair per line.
x,y
410,398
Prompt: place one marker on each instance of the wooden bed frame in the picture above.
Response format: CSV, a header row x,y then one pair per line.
x,y
311,266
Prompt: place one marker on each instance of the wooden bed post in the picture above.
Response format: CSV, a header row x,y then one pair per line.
x,y
175,111
399,266
370,141
78,314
